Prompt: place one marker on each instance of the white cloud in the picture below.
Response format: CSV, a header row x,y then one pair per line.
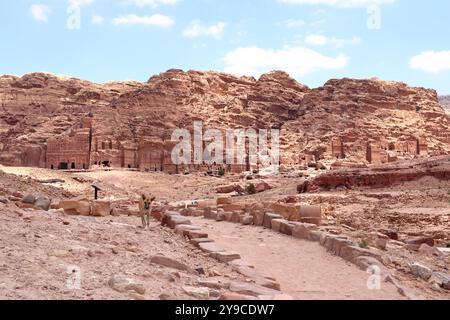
x,y
340,3
321,40
297,61
40,12
431,61
153,3
316,40
292,23
157,20
195,30
80,3
96,19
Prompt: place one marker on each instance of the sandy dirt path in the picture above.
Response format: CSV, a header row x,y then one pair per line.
x,y
304,269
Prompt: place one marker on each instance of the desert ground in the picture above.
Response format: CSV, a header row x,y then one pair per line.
x,y
42,252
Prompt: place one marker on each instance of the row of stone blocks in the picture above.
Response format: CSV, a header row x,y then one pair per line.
x,y
183,226
338,245
84,207
263,286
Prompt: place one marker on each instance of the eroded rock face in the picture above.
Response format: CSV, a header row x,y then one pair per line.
x,y
366,121
67,123
376,177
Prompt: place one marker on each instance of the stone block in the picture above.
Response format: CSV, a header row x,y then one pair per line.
x,y
224,200
101,208
268,217
175,220
183,228
70,206
236,217
210,247
417,242
441,279
251,289
311,214
84,208
351,253
122,284
228,216
233,207
206,204
225,256
28,199
276,224
286,227
303,231
421,271
258,218
42,202
195,234
246,220
230,296
221,216
315,235
196,242
287,211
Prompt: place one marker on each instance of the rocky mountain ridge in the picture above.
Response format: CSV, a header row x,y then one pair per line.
x,y
344,114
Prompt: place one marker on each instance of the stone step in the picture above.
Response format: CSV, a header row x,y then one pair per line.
x,y
210,247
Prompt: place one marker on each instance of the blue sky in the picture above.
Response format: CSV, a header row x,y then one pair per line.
x,y
313,40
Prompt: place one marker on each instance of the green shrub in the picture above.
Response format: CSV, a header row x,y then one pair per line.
x,y
364,245
221,172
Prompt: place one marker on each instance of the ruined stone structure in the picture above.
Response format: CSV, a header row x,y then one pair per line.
x,y
71,151
337,148
380,152
373,153
82,148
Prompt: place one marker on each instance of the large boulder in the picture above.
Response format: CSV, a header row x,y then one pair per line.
x,y
441,279
101,208
262,186
42,202
84,208
230,188
122,284
421,271
70,206
415,243
29,199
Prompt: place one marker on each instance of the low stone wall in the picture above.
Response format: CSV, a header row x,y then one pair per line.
x,y
84,207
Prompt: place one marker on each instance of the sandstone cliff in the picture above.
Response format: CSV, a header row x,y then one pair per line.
x,y
334,121
390,117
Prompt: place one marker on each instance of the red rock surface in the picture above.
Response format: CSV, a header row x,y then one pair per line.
x,y
378,177
128,124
